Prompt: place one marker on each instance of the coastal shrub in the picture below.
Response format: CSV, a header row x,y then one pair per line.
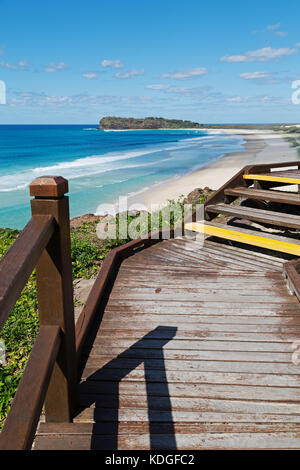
x,y
142,223
84,255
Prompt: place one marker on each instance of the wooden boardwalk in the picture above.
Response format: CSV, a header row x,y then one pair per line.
x,y
194,351
179,345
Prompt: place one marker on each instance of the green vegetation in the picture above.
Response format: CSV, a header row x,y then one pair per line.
x,y
18,333
112,122
88,252
292,135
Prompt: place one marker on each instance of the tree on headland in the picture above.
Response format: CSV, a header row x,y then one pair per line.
x,y
113,122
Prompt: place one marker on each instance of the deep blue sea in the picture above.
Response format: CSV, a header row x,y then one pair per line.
x,y
100,165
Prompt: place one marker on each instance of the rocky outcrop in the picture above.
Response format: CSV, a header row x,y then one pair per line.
x,y
198,195
77,222
112,122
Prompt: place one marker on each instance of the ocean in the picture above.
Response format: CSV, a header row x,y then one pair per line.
x,y
100,165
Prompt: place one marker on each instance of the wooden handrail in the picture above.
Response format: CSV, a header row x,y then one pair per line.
x,y
237,179
20,260
51,373
55,294
20,425
267,166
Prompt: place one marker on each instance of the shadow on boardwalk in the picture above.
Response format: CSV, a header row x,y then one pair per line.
x,y
106,384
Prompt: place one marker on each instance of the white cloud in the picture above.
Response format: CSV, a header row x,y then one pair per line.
x,y
157,87
257,100
272,27
21,65
298,44
260,55
115,64
2,48
52,67
90,75
184,74
83,100
269,28
198,92
281,33
270,78
237,99
130,74
255,75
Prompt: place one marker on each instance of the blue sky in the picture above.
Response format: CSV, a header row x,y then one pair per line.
x,y
74,61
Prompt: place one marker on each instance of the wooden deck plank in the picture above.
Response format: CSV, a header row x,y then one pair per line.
x,y
141,354
251,237
194,351
199,326
197,255
94,365
231,252
198,344
132,428
199,334
97,390
95,406
258,215
284,197
271,440
197,377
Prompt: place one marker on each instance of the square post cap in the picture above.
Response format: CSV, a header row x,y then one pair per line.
x,y
49,186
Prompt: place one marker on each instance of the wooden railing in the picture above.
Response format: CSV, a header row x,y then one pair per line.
x,y
50,374
50,377
237,180
291,269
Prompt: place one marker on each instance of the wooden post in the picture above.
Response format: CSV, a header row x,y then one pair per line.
x,y
55,294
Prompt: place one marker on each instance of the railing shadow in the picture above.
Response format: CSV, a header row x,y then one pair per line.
x,y
106,382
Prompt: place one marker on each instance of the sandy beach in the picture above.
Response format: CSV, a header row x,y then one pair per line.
x,y
260,147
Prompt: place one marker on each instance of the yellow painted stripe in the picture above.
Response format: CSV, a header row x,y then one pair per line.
x,y
278,179
235,235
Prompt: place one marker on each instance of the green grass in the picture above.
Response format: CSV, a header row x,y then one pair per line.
x,y
18,333
88,253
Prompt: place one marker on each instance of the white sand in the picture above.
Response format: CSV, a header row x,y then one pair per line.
x,y
260,147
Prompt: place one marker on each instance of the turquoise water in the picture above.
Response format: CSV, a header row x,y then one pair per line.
x,y
100,165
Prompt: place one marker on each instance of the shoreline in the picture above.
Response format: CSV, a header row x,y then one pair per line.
x,y
259,147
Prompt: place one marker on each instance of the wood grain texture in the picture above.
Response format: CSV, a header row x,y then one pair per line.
x,y
19,261
190,345
259,215
264,195
20,426
55,302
